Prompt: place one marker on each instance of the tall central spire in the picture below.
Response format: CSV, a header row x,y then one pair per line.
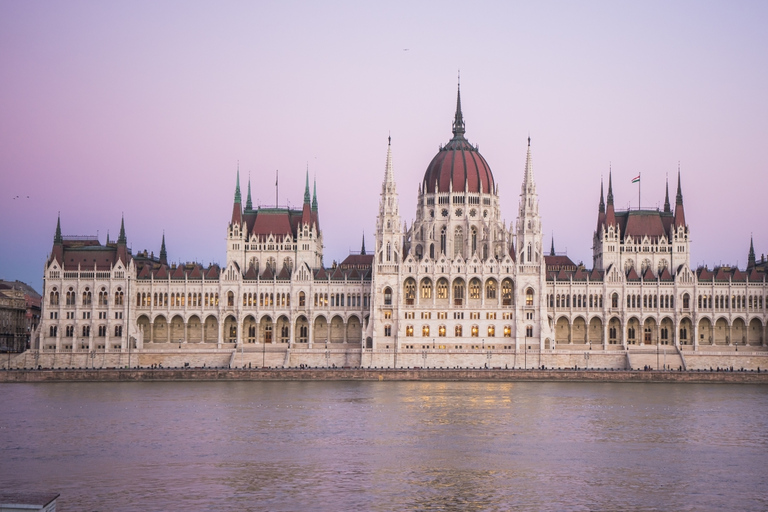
x,y
458,120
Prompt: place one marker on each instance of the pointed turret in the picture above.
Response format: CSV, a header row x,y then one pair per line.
x,y
388,223
667,208
601,210
552,249
458,119
237,209
58,244
529,187
248,202
306,212
121,239
751,258
163,252
237,187
610,213
529,236
362,249
314,195
58,239
679,210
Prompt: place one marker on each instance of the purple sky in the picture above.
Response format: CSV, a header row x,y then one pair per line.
x,y
145,108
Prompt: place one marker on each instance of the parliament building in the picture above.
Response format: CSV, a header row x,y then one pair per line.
x,y
457,287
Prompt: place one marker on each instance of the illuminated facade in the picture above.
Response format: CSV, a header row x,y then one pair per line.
x,y
456,288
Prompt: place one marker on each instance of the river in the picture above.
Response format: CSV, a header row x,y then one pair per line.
x,y
387,445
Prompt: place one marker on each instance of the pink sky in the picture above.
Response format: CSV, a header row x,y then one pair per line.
x,y
144,108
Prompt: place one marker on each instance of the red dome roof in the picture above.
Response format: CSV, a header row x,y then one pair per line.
x,y
458,164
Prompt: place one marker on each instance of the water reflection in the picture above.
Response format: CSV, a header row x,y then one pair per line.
x,y
387,445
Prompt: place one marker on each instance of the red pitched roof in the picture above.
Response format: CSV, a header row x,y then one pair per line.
x,y
268,222
632,275
648,274
251,273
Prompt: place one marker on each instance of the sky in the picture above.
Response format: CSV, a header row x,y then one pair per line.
x,y
146,109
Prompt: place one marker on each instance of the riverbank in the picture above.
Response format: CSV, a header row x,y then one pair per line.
x,y
359,374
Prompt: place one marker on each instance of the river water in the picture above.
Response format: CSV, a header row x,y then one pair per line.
x,y
387,445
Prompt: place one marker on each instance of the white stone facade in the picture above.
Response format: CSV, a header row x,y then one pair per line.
x,y
456,288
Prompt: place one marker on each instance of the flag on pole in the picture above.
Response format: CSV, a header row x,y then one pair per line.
x,y
636,179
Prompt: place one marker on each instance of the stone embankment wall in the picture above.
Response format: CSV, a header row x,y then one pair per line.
x,y
635,359
381,375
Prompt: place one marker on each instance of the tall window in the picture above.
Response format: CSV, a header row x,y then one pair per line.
x,y
458,292
442,240
529,297
387,296
426,289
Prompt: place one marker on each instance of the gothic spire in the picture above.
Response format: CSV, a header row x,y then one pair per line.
x,y
458,120
237,187
610,213
679,210
751,258
163,252
248,203
121,239
58,239
362,249
306,188
389,175
667,208
552,249
314,195
610,189
528,185
601,207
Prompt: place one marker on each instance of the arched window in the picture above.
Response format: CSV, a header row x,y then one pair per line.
x,y
442,289
457,331
615,300
490,289
506,292
426,289
529,297
409,289
389,251
302,299
230,299
474,240
458,292
474,289
458,242
387,296
530,252
431,251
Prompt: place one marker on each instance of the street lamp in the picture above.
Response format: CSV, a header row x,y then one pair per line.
x,y
586,359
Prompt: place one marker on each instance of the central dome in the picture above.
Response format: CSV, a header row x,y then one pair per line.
x,y
458,166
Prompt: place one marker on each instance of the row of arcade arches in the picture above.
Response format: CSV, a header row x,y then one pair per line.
x,y
662,332
264,330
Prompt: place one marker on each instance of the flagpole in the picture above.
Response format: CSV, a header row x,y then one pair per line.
x,y
276,177
639,181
